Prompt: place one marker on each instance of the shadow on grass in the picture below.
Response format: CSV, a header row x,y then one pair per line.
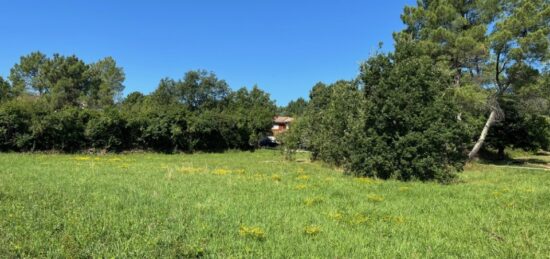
x,y
492,158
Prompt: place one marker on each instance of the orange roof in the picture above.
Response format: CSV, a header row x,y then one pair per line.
x,y
282,119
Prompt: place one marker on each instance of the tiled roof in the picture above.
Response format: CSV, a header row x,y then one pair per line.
x,y
282,119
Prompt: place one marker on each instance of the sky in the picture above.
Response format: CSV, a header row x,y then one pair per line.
x,y
283,46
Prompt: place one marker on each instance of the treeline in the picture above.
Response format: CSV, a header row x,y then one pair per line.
x,y
61,103
464,76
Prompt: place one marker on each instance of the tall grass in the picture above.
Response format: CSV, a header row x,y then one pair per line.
x,y
243,204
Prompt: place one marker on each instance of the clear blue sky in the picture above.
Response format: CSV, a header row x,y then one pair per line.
x,y
283,46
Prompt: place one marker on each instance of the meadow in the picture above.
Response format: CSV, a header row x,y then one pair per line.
x,y
255,204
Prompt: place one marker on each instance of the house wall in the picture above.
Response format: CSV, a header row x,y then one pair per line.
x,y
279,128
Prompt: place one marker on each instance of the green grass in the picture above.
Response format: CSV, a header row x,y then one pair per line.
x,y
242,204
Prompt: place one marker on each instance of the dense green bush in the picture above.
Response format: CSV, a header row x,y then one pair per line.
x,y
164,128
59,130
401,124
15,122
519,129
107,130
333,111
411,129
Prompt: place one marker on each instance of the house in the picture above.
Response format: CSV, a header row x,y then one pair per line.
x,y
281,124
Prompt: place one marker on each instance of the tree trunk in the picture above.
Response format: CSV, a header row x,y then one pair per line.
x,y
479,143
501,154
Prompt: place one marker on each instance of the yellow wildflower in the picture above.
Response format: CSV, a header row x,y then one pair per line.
x,y
375,198
188,170
335,215
303,177
404,189
365,180
312,230
239,171
359,219
252,232
221,171
312,201
300,187
399,219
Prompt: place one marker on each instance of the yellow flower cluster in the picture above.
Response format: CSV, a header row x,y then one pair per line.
x,y
359,219
303,177
252,232
335,215
221,171
312,230
312,201
366,180
224,171
300,187
189,170
375,198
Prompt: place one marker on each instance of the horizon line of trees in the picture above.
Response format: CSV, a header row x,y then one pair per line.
x,y
61,103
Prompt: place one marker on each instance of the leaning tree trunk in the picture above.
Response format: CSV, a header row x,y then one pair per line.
x,y
479,143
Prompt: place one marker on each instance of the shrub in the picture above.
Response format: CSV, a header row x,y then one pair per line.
x,y
402,125
411,130
61,130
15,118
107,130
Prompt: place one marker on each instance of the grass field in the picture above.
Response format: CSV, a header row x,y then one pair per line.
x,y
241,204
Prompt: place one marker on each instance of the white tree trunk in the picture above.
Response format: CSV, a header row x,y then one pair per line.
x,y
479,143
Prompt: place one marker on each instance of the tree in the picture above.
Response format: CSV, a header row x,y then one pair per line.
x,y
108,83
410,128
333,110
67,80
295,107
166,92
519,41
64,81
26,76
452,33
528,131
252,112
5,90
201,90
485,46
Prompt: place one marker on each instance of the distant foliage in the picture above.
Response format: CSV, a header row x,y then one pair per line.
x,y
519,129
61,103
294,108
